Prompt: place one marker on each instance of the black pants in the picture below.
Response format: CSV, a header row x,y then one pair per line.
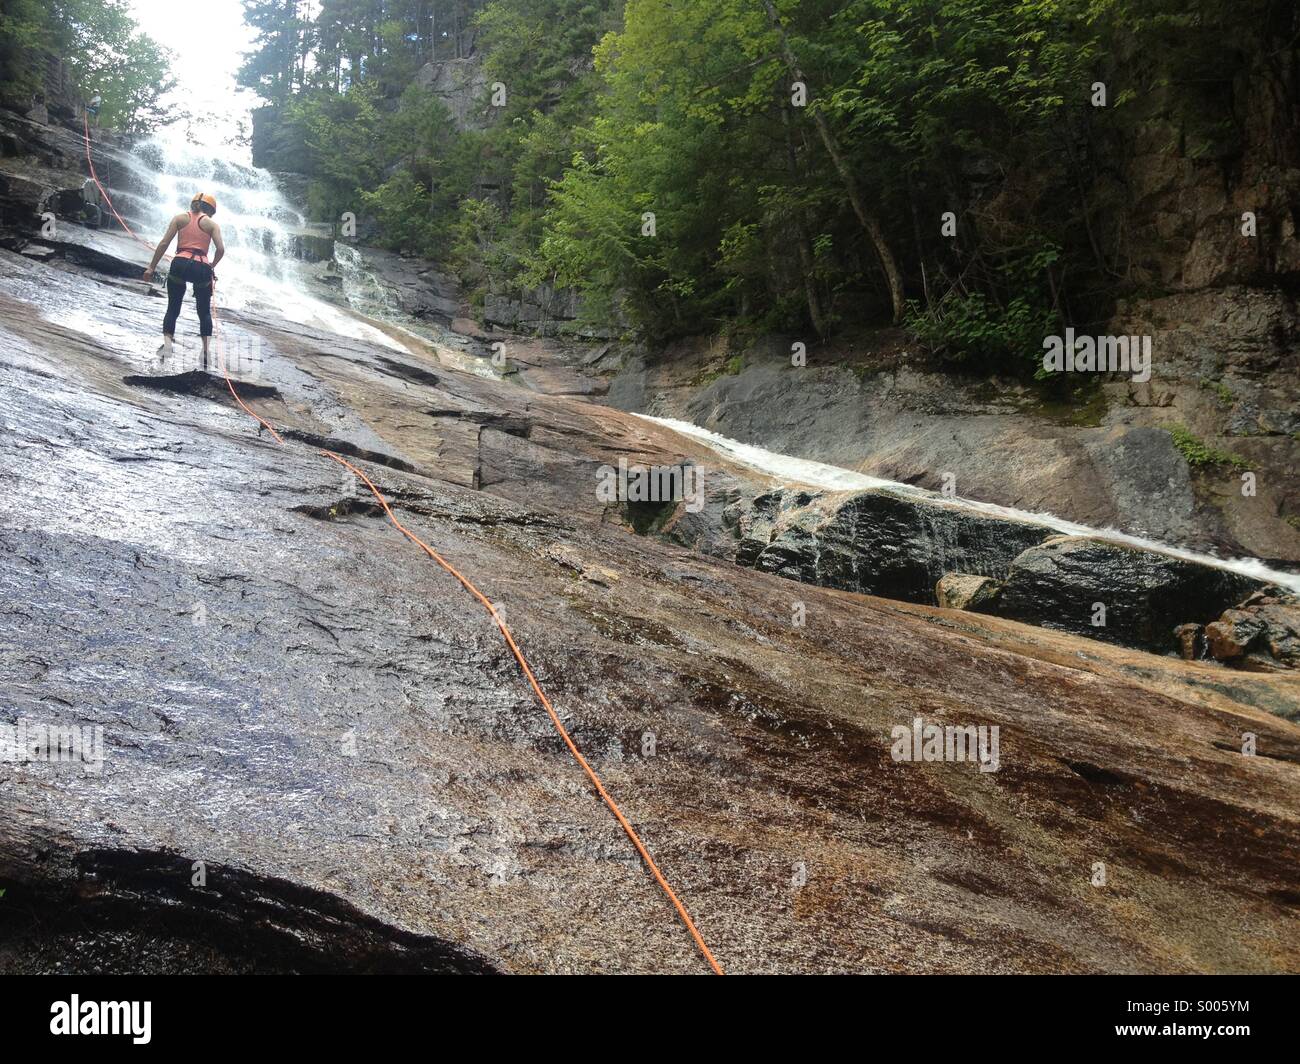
x,y
199,274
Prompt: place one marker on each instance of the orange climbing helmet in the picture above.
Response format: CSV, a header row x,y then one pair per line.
x,y
202,199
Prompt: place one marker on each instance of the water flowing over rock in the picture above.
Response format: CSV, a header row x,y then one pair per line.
x,y
318,755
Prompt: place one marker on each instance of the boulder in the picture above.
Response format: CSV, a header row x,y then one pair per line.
x,y
1262,631
1145,593
1281,634
1191,641
468,327
1232,634
961,591
882,541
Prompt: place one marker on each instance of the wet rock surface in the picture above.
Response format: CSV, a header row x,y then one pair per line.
x,y
920,548
298,704
1114,592
880,542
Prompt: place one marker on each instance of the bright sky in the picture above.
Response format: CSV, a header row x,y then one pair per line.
x,y
205,59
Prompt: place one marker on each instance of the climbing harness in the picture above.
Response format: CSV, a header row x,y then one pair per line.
x,y
469,586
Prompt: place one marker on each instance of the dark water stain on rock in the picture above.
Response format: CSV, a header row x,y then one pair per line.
x,y
351,450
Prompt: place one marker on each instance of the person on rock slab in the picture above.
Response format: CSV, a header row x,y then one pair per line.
x,y
195,233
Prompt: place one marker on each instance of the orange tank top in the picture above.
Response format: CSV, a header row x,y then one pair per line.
x,y
194,241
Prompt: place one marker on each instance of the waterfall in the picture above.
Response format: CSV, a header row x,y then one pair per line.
x,y
364,291
268,240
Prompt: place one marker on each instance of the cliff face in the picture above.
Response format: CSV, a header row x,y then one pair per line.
x,y
462,86
1185,193
298,705
277,145
54,101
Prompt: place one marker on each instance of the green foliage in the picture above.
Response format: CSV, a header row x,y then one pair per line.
x,y
934,104
272,67
679,117
401,207
340,132
485,249
1198,453
346,80
970,330
101,48
24,34
1220,389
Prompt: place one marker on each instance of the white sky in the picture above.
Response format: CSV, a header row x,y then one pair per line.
x,y
206,57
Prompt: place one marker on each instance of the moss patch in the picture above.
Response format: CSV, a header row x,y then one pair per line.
x,y
1082,408
730,368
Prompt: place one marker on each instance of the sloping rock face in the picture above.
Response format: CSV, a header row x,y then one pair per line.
x,y
43,168
1114,592
317,754
416,287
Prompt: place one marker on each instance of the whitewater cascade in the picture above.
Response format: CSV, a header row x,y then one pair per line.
x,y
264,233
833,478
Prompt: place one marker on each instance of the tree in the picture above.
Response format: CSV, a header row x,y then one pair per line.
x,y
870,223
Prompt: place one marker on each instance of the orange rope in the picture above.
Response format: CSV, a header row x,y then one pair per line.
x,y
473,590
546,704
221,362
104,192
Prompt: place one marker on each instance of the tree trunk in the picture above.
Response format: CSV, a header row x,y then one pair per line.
x,y
869,222
807,260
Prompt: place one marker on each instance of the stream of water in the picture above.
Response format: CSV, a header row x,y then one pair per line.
x,y
799,471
